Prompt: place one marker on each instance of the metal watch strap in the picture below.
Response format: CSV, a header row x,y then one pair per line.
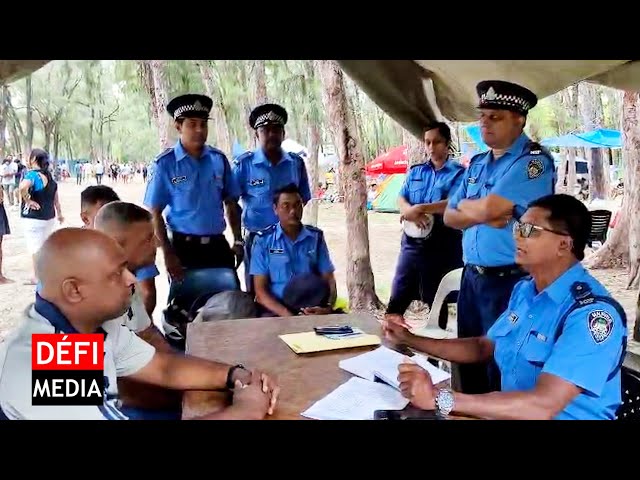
x,y
444,401
230,384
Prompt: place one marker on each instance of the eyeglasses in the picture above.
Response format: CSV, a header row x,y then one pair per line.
x,y
526,229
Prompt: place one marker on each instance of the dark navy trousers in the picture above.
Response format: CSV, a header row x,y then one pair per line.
x,y
482,299
421,266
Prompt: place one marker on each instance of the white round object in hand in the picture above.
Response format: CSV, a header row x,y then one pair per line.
x,y
414,231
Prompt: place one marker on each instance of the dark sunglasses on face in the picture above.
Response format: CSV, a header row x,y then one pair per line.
x,y
526,229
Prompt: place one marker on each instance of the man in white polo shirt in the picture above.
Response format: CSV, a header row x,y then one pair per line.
x,y
78,299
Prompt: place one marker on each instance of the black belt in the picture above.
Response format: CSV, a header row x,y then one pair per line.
x,y
502,271
201,239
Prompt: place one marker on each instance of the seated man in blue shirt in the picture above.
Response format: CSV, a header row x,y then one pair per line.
x,y
92,199
560,343
283,258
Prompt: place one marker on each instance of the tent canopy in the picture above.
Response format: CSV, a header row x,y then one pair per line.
x,y
390,162
601,138
388,192
417,92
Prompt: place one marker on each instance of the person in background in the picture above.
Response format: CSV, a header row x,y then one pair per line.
x,y
194,181
496,189
77,299
260,173
424,261
99,172
4,230
92,199
8,172
20,170
40,204
78,170
371,195
131,226
559,344
145,171
290,263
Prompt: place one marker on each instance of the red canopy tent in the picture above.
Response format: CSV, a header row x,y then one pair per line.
x,y
393,161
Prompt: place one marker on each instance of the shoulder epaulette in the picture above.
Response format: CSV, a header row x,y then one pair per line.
x,y
217,150
312,228
536,149
266,231
477,156
417,165
241,158
164,153
296,156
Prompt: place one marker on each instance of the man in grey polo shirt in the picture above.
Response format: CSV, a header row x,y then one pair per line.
x,y
77,299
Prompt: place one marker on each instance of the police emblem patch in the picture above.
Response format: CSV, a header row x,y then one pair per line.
x,y
513,318
535,168
600,325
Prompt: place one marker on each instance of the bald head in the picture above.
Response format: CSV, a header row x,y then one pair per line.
x,y
68,251
83,272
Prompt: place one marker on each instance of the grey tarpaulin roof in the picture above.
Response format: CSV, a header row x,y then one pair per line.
x,y
12,70
415,92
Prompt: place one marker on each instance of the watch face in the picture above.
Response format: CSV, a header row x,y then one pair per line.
x,y
445,401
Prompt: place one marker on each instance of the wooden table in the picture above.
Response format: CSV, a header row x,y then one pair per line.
x,y
254,342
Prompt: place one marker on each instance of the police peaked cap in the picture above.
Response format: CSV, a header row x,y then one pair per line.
x,y
501,95
190,106
268,114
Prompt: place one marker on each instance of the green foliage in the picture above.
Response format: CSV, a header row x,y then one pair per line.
x,y
102,110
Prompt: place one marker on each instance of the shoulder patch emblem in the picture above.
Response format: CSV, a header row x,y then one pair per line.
x,y
535,168
513,318
600,325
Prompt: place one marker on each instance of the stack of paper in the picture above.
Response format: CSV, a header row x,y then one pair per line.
x,y
309,342
356,399
383,363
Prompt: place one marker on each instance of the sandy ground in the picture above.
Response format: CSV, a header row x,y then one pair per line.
x,y
384,231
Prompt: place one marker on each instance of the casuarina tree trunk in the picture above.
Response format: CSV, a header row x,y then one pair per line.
x,y
360,281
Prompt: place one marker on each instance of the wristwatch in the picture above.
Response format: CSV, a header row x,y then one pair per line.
x,y
230,383
444,401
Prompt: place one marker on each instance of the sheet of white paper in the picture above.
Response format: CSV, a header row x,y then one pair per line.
x,y
383,363
356,399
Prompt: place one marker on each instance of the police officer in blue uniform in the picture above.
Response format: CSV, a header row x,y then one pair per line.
x,y
261,172
285,260
559,344
194,183
424,260
496,189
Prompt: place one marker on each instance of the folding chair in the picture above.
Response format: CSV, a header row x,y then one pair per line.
x,y
600,220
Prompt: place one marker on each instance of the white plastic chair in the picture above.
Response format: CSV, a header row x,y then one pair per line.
x,y
449,283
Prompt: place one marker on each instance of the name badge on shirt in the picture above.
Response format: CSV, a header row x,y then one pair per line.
x,y
177,180
472,180
277,251
256,182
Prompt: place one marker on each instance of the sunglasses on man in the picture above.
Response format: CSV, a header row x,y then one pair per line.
x,y
526,229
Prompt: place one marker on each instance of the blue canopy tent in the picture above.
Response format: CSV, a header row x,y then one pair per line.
x,y
601,138
474,132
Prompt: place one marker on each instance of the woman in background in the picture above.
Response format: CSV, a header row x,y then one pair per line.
x,y
40,204
4,230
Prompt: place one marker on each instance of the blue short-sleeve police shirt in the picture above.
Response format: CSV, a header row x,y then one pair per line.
x,y
425,184
586,354
258,180
278,257
523,174
191,191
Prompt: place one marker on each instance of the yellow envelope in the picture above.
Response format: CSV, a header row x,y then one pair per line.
x,y
309,342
